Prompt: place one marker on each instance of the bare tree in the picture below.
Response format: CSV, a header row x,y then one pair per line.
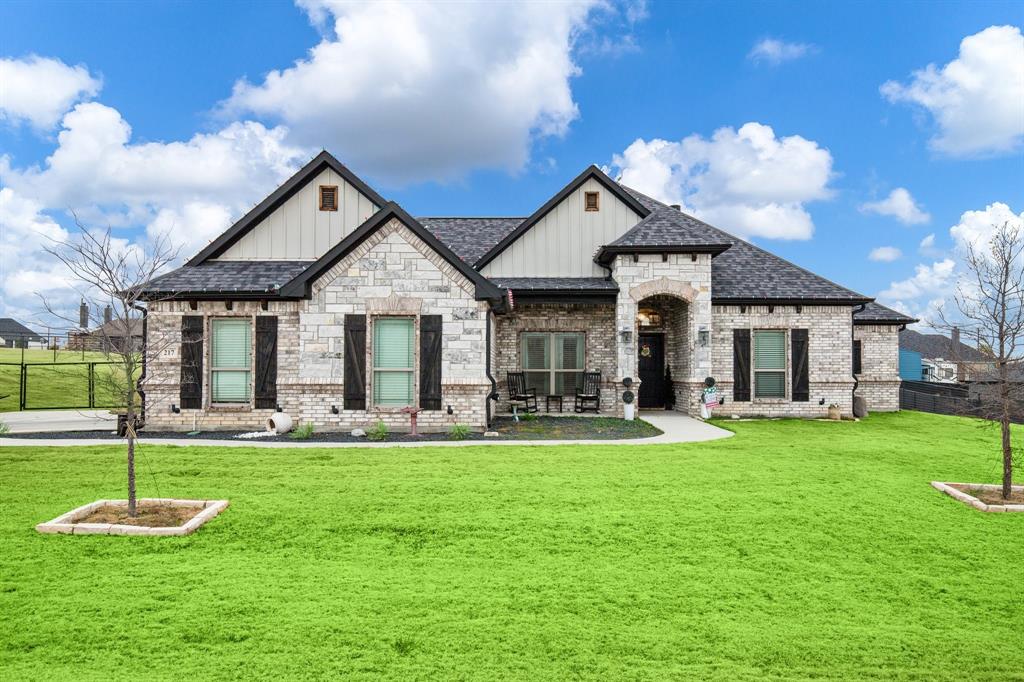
x,y
989,304
114,275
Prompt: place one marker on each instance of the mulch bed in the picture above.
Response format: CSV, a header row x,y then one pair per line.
x,y
152,516
541,428
991,496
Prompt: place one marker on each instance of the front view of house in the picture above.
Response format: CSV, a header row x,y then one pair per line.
x,y
335,306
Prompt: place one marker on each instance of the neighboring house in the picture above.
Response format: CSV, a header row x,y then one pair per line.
x,y
14,334
337,306
109,337
945,358
911,366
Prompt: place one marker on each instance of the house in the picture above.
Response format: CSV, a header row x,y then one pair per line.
x,y
338,307
945,358
113,336
911,366
14,334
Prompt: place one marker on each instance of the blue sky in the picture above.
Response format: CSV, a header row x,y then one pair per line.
x,y
465,111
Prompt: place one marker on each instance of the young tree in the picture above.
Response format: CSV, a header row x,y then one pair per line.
x,y
989,304
114,274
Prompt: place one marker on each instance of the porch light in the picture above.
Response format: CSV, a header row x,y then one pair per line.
x,y
626,335
703,338
648,317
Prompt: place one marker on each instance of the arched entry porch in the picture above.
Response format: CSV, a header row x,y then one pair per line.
x,y
663,351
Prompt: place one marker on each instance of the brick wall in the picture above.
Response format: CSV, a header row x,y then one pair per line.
x,y
830,357
879,380
392,273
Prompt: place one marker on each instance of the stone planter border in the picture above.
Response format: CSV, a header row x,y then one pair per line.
x,y
65,524
974,501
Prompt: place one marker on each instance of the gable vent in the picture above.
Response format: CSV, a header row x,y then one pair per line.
x,y
592,201
328,197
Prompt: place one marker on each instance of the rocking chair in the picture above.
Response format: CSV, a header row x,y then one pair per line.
x,y
519,393
588,398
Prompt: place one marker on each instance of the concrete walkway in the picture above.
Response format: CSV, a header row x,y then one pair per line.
x,y
676,427
35,421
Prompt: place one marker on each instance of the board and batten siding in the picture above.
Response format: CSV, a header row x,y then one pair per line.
x,y
299,230
563,242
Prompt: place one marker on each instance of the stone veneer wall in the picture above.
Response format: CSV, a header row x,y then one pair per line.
x,y
596,321
830,356
879,380
392,273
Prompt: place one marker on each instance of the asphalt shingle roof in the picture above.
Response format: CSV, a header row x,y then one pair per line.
x,y
12,329
938,346
876,312
229,276
556,283
470,238
667,226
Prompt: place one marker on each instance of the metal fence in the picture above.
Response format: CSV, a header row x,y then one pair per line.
x,y
59,385
936,403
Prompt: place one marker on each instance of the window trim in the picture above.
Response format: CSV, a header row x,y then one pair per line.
x,y
784,371
586,202
551,371
336,198
251,371
373,369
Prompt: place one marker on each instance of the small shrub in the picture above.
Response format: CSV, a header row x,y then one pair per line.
x,y
303,431
458,432
378,431
528,416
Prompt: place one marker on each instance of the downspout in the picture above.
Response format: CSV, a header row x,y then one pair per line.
x,y
493,395
853,333
145,344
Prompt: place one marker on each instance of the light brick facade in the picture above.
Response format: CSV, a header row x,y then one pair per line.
x,y
879,380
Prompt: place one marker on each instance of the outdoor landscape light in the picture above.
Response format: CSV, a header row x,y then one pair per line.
x,y
334,409
175,409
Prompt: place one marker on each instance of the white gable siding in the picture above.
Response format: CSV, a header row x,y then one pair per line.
x,y
563,243
299,230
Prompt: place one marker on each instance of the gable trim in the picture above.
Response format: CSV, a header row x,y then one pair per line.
x,y
591,172
290,187
301,285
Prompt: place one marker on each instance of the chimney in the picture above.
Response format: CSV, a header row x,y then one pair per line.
x,y
108,315
678,207
956,342
83,315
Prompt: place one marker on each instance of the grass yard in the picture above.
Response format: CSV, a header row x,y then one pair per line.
x,y
794,550
58,384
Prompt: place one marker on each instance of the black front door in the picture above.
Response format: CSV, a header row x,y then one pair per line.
x,y
651,360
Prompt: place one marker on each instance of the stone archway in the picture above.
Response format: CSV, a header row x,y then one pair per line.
x,y
663,286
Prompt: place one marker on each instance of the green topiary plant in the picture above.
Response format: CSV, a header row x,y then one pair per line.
x,y
303,432
458,432
378,431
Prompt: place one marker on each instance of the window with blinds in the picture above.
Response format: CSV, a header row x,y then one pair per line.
x,y
553,363
393,361
769,364
230,360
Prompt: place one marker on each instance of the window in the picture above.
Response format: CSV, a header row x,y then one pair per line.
x,y
328,197
857,368
230,365
592,201
769,364
392,361
553,363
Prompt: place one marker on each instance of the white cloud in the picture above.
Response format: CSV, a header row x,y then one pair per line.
x,y
977,100
934,279
192,226
885,254
976,227
900,205
774,51
428,91
746,181
39,90
927,243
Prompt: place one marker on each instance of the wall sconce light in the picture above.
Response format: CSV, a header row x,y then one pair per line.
x,y
626,336
264,305
334,409
193,305
175,409
278,408
228,305
821,402
703,338
450,410
771,309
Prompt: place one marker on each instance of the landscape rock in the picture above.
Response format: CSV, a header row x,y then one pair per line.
x,y
358,433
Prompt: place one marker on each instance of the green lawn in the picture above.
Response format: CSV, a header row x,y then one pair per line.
x,y
793,550
59,383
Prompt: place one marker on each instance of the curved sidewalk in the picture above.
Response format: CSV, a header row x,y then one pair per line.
x,y
675,427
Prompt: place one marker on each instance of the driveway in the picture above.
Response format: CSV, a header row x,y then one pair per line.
x,y
34,421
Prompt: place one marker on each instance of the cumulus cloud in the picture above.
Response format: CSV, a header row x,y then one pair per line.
x,y
976,100
747,181
976,227
38,90
885,254
900,205
773,51
428,91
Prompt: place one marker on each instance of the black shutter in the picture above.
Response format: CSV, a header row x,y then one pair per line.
x,y
266,362
741,365
355,362
430,362
856,357
801,374
191,387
